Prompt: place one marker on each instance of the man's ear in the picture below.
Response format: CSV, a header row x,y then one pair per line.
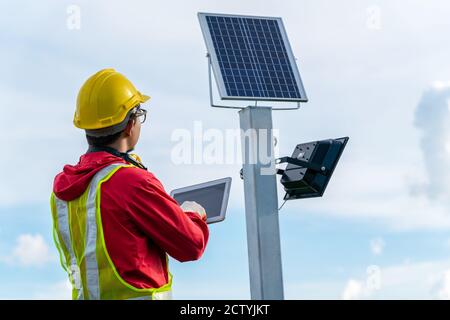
x,y
129,127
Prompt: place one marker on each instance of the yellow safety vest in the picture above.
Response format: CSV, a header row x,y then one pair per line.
x,y
78,235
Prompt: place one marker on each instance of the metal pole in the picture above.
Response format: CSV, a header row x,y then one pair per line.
x,y
261,204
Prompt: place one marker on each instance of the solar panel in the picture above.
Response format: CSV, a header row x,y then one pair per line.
x,y
251,58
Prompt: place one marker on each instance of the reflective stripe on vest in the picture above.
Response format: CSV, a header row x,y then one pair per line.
x,y
78,235
63,225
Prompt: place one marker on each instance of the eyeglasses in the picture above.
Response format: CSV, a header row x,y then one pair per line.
x,y
141,113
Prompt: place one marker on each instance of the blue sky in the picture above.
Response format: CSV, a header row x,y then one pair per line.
x,y
376,71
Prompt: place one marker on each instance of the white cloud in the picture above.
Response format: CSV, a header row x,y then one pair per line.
x,y
61,290
377,246
378,194
354,290
359,289
30,250
407,280
440,85
420,280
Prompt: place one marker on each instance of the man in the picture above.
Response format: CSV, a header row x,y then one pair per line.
x,y
114,224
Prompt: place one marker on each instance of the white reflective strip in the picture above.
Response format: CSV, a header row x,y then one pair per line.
x,y
64,230
165,295
90,252
141,298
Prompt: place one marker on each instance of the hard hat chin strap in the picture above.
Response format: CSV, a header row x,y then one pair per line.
x,y
124,155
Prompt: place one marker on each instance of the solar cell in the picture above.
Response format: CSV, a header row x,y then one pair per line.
x,y
251,57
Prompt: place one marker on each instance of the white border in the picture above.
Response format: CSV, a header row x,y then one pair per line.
x,y
226,195
215,64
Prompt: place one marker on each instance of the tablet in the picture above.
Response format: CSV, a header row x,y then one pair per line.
x,y
211,195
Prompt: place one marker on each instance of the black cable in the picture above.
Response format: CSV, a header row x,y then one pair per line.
x,y
124,155
282,205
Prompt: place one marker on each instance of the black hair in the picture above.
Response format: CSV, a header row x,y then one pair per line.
x,y
103,141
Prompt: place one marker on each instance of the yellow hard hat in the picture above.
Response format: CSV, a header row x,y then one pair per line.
x,y
105,99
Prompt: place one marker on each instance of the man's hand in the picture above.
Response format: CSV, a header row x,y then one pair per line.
x,y
193,206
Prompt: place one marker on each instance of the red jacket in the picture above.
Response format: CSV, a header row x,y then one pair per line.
x,y
141,222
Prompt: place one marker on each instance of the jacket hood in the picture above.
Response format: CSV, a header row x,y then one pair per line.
x,y
74,179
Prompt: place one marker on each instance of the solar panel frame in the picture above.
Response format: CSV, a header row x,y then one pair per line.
x,y
217,70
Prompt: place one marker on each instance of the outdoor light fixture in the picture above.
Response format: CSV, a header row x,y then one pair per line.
x,y
310,168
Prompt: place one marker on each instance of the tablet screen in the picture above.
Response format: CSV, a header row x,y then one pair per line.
x,y
210,198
